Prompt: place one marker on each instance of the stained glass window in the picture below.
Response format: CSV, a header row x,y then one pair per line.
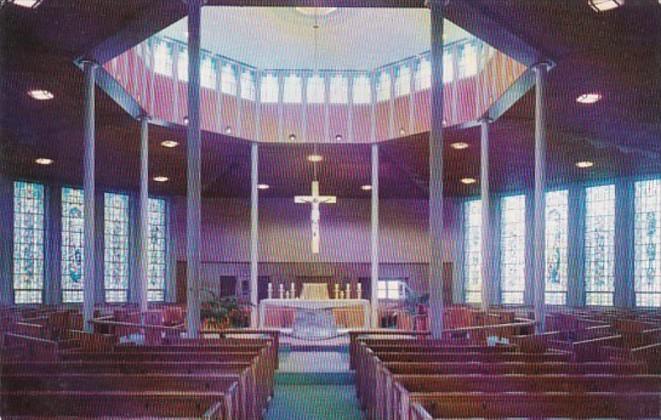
x,y
448,68
292,93
403,81
599,244
269,90
28,242
116,249
72,245
647,243
473,251
247,85
182,65
513,245
208,73
556,247
423,75
362,90
339,90
162,58
383,87
316,90
228,80
157,250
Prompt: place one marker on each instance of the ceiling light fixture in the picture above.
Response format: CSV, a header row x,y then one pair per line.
x,y
402,132
263,186
228,130
30,4
468,181
161,179
366,187
43,161
584,164
186,120
459,145
604,5
315,158
292,137
338,137
169,144
589,98
41,94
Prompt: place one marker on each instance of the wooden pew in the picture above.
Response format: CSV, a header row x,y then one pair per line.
x,y
225,383
591,404
22,347
205,405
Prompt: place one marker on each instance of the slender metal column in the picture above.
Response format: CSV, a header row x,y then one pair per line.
x,y
254,232
143,215
436,172
194,198
540,199
374,287
89,267
487,242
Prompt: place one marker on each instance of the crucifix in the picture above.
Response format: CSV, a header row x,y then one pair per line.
x,y
314,199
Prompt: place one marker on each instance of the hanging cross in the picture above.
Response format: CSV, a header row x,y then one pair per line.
x,y
314,200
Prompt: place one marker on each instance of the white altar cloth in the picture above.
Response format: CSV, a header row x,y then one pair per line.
x,y
316,304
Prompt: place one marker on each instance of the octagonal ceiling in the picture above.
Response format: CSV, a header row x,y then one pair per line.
x,y
283,37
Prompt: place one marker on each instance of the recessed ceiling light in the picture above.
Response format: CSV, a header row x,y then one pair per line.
x,y
186,120
292,137
468,181
604,5
459,145
338,137
228,130
315,158
27,3
402,131
366,187
589,98
169,144
584,164
43,161
263,186
161,179
41,94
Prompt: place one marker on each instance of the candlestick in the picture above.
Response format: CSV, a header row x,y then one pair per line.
x,y
337,291
270,290
359,291
293,290
348,290
287,295
282,290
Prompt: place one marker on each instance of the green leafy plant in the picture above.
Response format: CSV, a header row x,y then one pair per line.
x,y
223,312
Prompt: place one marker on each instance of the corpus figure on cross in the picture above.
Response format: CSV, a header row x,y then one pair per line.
x,y
314,200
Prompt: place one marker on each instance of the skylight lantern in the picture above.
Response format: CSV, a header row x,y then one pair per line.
x,y
605,5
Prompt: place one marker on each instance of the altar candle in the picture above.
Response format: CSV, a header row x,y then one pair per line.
x,y
282,291
287,295
359,291
270,291
293,290
337,291
342,294
348,290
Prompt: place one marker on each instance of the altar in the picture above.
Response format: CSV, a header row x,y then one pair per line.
x,y
347,313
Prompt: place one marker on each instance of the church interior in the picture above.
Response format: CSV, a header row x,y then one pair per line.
x,y
322,209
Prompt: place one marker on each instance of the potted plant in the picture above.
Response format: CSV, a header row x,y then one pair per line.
x,y
219,313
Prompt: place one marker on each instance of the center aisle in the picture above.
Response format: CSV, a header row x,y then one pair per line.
x,y
314,385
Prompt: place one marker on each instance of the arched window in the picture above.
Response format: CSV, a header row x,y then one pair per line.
x,y
28,270
423,75
228,80
316,90
208,73
182,65
403,81
269,89
292,93
162,58
383,87
362,90
247,85
339,90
